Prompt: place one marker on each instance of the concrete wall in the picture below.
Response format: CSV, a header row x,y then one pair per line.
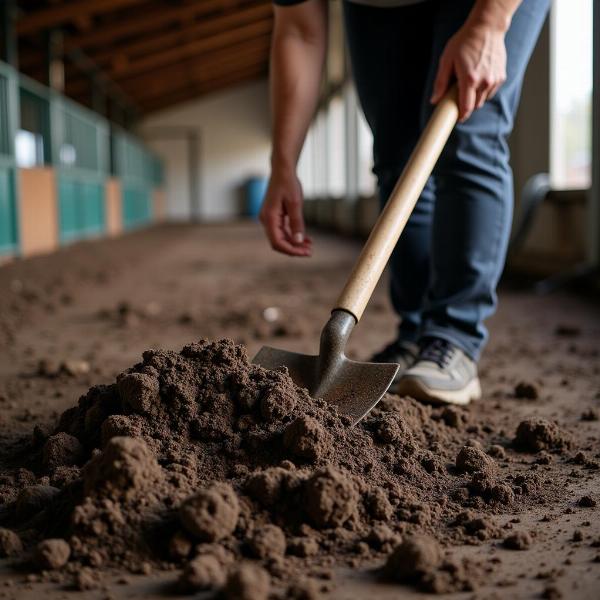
x,y
233,128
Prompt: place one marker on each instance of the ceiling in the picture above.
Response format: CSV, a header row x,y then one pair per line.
x,y
149,54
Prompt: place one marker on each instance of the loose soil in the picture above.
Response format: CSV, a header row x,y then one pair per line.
x,y
143,454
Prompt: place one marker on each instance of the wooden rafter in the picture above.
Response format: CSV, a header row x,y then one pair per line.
x,y
152,20
188,32
190,49
226,66
58,14
204,89
158,52
179,70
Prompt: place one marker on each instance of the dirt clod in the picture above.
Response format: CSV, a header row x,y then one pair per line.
x,y
202,573
471,459
34,498
212,513
307,439
536,433
247,582
125,467
268,542
52,554
331,497
587,501
526,391
413,559
61,450
10,543
519,540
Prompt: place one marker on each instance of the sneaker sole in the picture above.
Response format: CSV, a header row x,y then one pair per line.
x,y
417,389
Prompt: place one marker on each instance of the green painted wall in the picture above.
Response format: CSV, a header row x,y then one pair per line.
x,y
9,115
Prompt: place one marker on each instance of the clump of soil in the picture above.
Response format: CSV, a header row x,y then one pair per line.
x,y
211,514
421,561
52,554
526,390
520,540
203,461
535,434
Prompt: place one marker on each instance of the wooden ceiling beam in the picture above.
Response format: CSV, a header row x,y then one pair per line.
x,y
187,32
190,49
159,19
173,72
74,10
205,89
254,50
249,60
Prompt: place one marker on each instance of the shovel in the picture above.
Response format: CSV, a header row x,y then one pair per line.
x,y
356,387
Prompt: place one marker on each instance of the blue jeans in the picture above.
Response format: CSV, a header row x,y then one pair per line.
x,y
446,266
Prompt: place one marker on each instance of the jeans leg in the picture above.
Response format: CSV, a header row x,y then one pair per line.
x,y
390,53
474,193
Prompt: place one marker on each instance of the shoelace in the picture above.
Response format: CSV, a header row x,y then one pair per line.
x,y
438,351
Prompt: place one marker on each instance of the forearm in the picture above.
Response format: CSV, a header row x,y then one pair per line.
x,y
297,60
496,14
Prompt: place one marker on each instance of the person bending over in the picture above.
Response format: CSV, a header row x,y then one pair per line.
x,y
404,55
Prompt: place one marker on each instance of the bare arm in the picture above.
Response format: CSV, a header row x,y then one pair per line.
x,y
476,55
297,58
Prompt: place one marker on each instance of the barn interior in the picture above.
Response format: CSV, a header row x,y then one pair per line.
x,y
144,455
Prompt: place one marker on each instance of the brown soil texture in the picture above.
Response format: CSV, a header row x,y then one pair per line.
x,y
210,474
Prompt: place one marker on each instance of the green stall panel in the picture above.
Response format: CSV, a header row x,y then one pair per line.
x,y
68,201
9,115
8,212
92,208
137,206
81,208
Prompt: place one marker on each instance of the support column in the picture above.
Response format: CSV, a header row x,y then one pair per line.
x,y
594,198
8,34
55,67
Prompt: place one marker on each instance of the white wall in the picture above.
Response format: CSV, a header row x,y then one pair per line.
x,y
234,145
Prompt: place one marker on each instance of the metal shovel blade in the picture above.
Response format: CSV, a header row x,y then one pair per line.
x,y
354,387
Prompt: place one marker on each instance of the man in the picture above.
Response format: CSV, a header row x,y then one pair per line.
x,y
405,54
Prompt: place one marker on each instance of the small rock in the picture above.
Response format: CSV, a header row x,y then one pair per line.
x,y
75,367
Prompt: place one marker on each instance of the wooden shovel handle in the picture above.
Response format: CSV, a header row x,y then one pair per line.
x,y
391,222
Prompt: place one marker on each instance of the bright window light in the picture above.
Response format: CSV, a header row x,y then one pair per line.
x,y
570,155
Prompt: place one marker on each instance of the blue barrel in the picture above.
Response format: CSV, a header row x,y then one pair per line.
x,y
256,188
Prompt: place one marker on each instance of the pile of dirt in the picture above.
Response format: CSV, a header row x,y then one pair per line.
x,y
201,461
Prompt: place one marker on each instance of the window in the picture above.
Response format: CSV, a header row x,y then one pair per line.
x,y
336,148
571,100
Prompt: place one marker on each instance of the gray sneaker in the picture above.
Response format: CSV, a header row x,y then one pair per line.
x,y
442,374
401,352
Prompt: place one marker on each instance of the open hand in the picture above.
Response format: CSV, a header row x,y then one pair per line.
x,y
476,57
281,215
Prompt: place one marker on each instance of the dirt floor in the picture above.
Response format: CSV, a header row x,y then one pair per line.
x,y
81,316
